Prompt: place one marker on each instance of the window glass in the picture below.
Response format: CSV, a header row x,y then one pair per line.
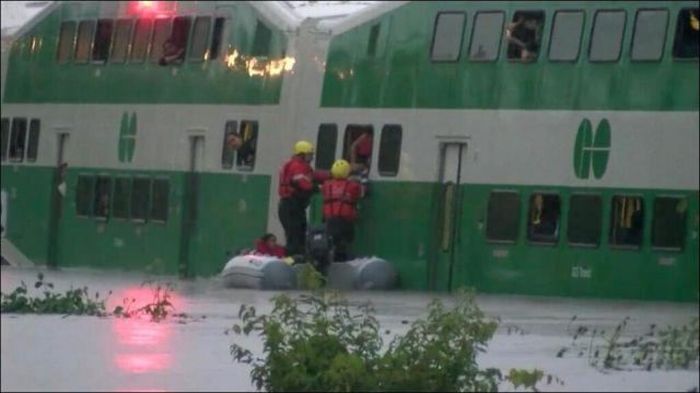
x,y
217,37
122,35
86,31
543,218
585,219
232,140
142,34
486,36
120,205
649,34
503,216
373,39
66,41
326,143
200,37
101,201
626,221
524,35
389,150
261,41
159,202
33,144
103,39
357,147
447,36
140,196
18,139
245,154
606,39
83,195
668,230
161,32
686,41
566,35
4,137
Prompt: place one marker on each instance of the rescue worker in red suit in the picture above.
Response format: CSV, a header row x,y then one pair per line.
x,y
340,196
267,245
296,185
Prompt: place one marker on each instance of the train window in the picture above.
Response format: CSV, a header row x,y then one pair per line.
x,y
200,38
585,220
66,40
140,196
373,39
217,37
33,143
120,200
447,36
543,218
101,201
668,230
686,41
103,39
486,36
503,216
245,154
83,195
4,137
649,34
122,34
159,200
18,139
231,142
139,42
524,35
261,41
326,142
626,221
86,31
175,46
566,35
357,147
161,32
606,38
389,150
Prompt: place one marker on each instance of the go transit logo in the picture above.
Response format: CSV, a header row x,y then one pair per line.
x,y
127,138
592,150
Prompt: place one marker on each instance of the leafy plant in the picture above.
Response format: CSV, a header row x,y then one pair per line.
x,y
158,309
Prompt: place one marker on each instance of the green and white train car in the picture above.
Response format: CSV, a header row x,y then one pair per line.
x,y
573,172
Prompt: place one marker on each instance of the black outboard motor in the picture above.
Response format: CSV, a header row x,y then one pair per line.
x,y
319,246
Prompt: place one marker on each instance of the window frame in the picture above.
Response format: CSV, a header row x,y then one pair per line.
x,y
627,247
253,42
518,217
110,191
71,52
560,228
326,126
388,127
673,43
152,196
373,43
461,38
21,159
170,21
349,146
115,180
653,221
148,199
88,60
539,53
111,40
580,36
256,131
600,228
149,38
5,147
127,53
35,149
207,40
500,39
634,35
622,36
224,29
92,179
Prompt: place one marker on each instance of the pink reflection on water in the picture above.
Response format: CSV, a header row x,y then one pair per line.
x,y
139,363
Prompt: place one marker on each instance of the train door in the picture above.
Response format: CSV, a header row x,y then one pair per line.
x,y
190,197
448,214
58,193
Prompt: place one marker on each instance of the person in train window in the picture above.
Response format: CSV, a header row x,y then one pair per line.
x,y
361,151
297,182
267,245
543,218
340,197
246,149
172,53
522,36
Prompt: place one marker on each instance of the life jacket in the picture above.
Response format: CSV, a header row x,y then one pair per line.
x,y
340,198
295,178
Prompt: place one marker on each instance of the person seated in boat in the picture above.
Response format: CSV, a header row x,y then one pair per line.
x,y
267,245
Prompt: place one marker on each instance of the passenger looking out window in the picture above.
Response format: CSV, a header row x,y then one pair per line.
x,y
627,221
686,43
361,151
524,35
172,54
174,46
543,223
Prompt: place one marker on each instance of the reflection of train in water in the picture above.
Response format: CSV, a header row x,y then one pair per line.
x,y
520,147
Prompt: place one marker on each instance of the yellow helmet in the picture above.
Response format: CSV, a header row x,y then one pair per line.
x,y
340,169
303,147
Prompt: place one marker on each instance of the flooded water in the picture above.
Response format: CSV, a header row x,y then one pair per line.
x,y
52,352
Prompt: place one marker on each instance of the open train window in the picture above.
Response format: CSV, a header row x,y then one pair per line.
x,y
4,137
389,150
139,42
326,142
120,200
544,218
122,34
18,139
524,35
373,40
86,31
245,154
103,40
627,221
585,220
101,198
200,38
33,142
83,195
217,37
231,142
447,36
161,32
686,41
606,38
565,41
175,46
357,147
261,40
649,34
140,196
503,216
486,36
159,200
669,227
66,41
